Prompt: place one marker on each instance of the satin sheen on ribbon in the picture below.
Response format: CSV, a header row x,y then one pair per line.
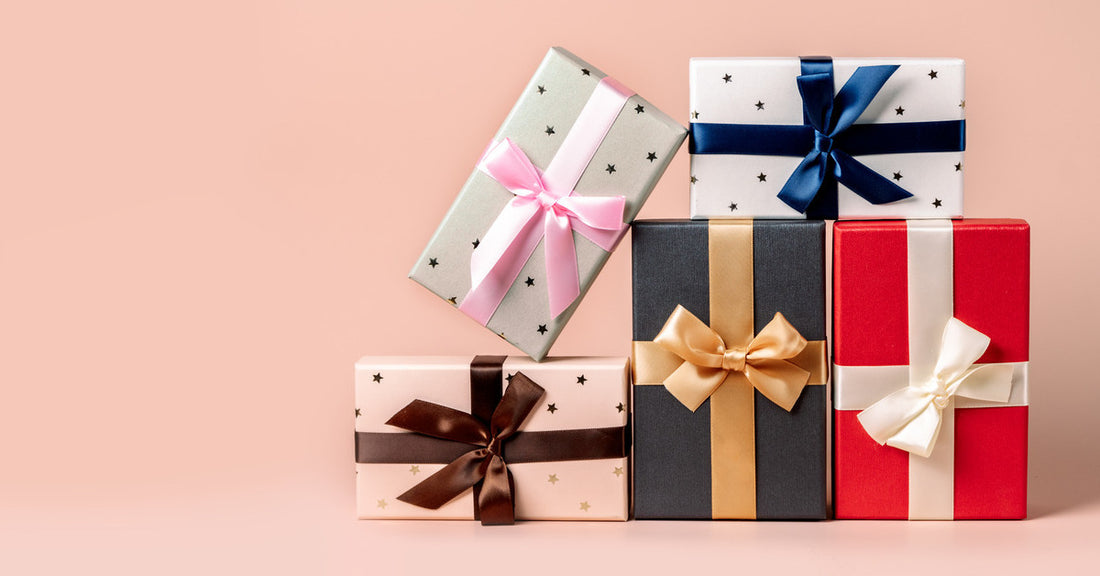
x,y
910,418
476,447
708,362
732,404
829,139
547,208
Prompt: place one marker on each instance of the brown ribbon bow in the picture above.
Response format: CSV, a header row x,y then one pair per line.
x,y
707,362
484,465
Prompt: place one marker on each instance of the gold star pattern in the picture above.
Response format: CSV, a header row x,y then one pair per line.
x,y
553,479
694,115
585,506
618,471
962,104
414,469
453,300
382,503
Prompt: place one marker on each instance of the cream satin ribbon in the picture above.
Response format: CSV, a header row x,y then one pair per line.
x,y
713,352
708,362
910,418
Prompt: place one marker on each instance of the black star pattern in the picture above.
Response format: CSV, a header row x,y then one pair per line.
x,y
433,262
530,281
933,74
377,377
759,105
694,115
727,78
509,377
358,412
542,89
899,111
581,379
620,407
958,167
453,300
551,408
639,109
762,177
549,130
897,176
733,206
694,179
937,203
651,156
476,242
610,169
542,329
586,72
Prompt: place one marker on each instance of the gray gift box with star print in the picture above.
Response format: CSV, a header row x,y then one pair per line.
x,y
911,134
628,162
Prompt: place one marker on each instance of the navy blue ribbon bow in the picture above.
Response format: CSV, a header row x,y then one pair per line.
x,y
829,138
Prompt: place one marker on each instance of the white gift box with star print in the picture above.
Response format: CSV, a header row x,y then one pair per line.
x,y
582,393
740,107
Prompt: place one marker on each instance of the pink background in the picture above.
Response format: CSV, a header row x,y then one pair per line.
x,y
209,209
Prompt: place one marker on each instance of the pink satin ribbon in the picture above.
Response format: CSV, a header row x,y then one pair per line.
x,y
515,234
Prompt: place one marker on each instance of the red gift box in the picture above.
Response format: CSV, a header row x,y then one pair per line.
x,y
896,286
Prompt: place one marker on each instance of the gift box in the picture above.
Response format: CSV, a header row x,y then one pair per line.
x,y
930,376
492,438
729,369
821,138
549,200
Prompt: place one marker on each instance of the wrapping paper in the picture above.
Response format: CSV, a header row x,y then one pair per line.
x,y
739,454
581,393
765,91
631,158
895,286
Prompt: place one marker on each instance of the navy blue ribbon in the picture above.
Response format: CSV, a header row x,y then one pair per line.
x,y
829,138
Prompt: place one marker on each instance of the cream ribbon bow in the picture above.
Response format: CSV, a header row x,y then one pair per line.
x,y
708,362
910,418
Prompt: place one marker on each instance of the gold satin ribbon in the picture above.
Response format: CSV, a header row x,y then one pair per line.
x,y
726,362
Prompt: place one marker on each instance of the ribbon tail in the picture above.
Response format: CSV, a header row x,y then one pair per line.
x,y
500,256
868,184
799,190
496,502
562,276
448,483
520,398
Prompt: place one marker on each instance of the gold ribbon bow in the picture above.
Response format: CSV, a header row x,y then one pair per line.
x,y
707,362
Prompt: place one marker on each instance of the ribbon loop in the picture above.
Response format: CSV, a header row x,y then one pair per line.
x,y
910,418
483,464
707,363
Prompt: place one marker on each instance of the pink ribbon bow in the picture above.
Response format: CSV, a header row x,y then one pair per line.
x,y
546,207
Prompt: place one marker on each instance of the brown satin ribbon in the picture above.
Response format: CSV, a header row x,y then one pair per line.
x,y
726,362
444,435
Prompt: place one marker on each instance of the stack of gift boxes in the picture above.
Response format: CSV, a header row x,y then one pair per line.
x,y
720,412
